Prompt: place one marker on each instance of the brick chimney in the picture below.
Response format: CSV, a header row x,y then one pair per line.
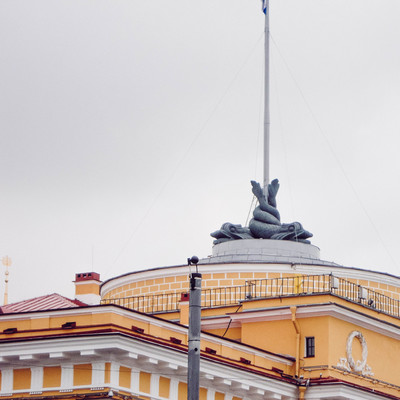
x,y
87,287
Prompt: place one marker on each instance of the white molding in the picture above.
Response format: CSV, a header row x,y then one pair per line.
x,y
269,314
57,354
274,396
221,322
88,352
89,298
26,357
340,391
89,281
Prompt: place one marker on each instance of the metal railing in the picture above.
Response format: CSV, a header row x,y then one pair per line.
x,y
148,303
266,288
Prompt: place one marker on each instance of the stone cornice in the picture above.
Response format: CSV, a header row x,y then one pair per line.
x,y
342,390
139,317
319,310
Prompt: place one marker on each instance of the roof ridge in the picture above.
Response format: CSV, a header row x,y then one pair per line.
x,y
46,302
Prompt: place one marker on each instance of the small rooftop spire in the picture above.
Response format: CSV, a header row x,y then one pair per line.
x,y
7,263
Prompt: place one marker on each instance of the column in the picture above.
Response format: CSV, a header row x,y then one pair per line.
x,y
67,376
154,384
114,374
7,380
173,389
36,379
210,394
135,377
98,370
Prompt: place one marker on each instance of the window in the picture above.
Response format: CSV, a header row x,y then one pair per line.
x,y
310,346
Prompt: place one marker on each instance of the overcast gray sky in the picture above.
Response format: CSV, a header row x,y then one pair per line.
x,y
130,130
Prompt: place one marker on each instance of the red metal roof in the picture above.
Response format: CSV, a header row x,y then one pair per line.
x,y
49,302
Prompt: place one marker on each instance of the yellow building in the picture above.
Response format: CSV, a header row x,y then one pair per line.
x,y
277,323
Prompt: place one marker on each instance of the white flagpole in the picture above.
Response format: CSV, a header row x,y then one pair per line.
x,y
266,100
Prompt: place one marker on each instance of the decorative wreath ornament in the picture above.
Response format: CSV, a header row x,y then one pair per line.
x,y
357,366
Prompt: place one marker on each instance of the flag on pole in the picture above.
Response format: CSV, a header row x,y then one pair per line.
x,y
264,6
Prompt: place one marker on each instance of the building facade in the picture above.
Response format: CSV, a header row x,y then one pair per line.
x,y
277,323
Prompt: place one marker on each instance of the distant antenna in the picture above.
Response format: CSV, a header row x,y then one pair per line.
x,y
7,263
267,123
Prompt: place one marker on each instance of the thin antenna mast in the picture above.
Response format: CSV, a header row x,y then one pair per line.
x,y
265,7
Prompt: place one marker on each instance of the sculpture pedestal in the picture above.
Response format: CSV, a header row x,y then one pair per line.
x,y
265,250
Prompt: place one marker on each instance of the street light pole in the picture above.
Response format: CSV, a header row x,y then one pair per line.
x,y
193,377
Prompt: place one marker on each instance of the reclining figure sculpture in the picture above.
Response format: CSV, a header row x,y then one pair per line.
x,y
266,221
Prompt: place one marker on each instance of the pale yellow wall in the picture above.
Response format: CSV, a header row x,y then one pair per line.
x,y
330,343
212,345
275,336
51,377
22,379
107,373
232,333
164,387
203,394
125,377
184,313
87,288
82,374
144,382
208,312
40,323
383,351
182,391
319,328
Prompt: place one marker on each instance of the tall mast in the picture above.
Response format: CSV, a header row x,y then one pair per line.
x,y
265,6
